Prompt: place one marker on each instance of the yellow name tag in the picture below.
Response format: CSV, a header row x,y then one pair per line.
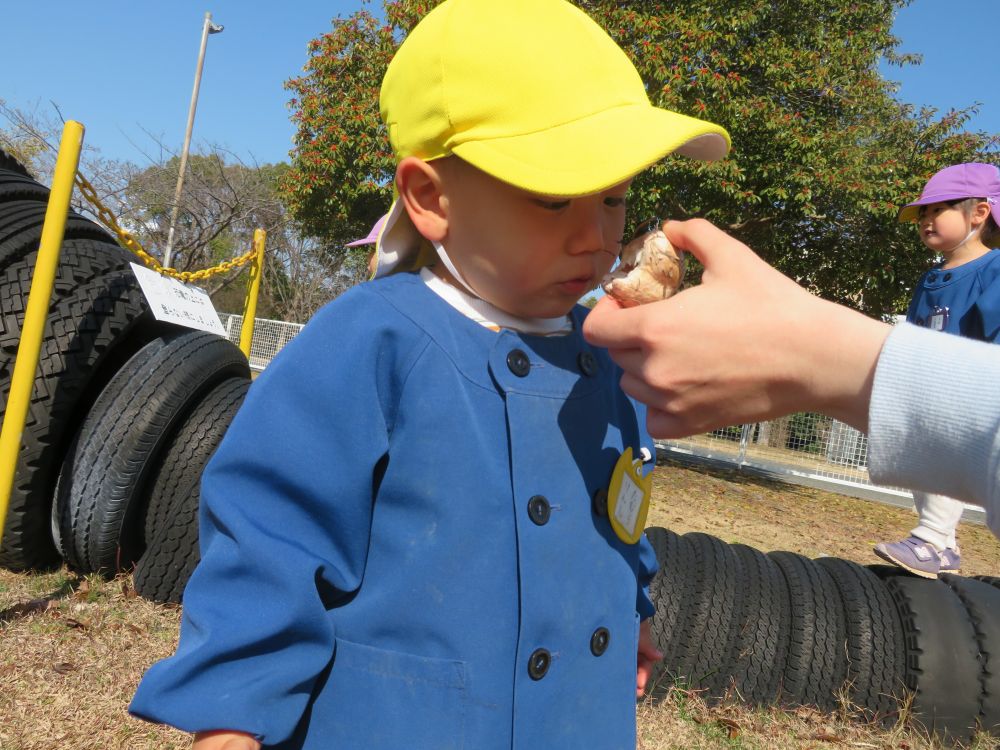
x,y
628,498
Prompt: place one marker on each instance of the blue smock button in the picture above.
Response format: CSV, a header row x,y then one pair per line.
x,y
518,363
538,663
539,510
599,641
601,502
587,362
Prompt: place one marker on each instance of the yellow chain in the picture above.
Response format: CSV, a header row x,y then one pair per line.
x,y
129,242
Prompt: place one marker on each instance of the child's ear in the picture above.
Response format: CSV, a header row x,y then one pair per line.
x,y
980,213
420,188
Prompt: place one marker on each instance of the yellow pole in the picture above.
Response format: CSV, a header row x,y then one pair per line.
x,y
253,289
36,312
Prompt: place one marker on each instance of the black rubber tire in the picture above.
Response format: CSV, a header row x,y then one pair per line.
x,y
874,633
21,230
97,318
706,640
19,186
171,523
762,628
11,164
943,669
816,663
991,580
982,602
668,591
103,477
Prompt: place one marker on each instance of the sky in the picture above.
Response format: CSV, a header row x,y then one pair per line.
x,y
125,68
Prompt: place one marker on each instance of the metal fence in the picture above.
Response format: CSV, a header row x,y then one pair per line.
x,y
805,445
268,337
805,448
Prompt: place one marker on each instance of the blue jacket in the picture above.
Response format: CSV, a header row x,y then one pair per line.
x,y
970,292
400,547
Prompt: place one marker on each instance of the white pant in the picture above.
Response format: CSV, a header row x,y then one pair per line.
x,y
939,517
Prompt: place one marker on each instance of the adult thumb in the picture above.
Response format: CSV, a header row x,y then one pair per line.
x,y
702,239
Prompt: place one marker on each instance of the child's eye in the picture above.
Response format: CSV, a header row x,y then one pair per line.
x,y
554,205
614,201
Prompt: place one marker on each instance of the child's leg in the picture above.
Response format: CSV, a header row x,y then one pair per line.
x,y
939,517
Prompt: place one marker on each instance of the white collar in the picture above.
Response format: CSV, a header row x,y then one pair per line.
x,y
491,316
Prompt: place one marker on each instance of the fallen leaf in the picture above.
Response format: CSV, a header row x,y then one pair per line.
x,y
64,667
82,590
732,727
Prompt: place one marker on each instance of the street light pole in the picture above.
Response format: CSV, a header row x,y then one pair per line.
x,y
209,28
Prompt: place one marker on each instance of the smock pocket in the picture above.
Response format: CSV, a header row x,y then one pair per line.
x,y
376,698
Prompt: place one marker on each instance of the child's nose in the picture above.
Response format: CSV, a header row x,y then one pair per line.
x,y
591,228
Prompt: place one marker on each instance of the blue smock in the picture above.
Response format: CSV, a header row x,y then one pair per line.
x,y
970,293
400,547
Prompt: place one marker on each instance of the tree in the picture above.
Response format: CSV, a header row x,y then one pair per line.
x,y
823,153
224,201
222,205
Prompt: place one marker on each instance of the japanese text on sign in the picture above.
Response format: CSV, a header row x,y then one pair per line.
x,y
174,302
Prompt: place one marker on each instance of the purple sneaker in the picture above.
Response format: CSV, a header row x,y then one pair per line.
x,y
951,560
912,554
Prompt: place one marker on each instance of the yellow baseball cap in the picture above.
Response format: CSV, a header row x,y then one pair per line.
x,y
532,92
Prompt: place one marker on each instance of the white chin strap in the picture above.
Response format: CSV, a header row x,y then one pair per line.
x,y
443,255
972,233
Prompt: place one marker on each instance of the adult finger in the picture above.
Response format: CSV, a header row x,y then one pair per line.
x,y
705,241
610,325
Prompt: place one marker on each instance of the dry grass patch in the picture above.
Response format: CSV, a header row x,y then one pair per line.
x,y
71,654
683,721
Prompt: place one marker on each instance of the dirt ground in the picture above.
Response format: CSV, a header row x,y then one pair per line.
x,y
72,650
737,506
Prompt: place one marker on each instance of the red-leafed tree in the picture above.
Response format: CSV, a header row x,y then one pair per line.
x,y
823,153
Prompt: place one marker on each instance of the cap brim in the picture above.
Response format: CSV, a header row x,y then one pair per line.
x,y
911,211
581,158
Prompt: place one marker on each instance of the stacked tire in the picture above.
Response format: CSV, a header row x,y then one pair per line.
x,y
97,319
125,411
779,628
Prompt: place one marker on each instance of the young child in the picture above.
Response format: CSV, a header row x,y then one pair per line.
x,y
957,214
424,527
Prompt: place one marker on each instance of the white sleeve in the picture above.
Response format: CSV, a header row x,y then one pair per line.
x,y
934,419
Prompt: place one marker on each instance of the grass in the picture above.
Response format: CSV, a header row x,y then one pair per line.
x,y
73,649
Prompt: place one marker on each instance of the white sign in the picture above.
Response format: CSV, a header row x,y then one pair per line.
x,y
175,302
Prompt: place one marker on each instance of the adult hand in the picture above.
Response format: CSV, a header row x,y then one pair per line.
x,y
745,345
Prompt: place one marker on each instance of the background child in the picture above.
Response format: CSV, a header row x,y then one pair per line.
x,y
410,534
957,215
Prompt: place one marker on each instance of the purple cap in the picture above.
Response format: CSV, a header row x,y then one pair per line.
x,y
372,235
972,180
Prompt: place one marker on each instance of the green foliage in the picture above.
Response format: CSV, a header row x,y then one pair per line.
x,y
823,154
806,432
343,166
